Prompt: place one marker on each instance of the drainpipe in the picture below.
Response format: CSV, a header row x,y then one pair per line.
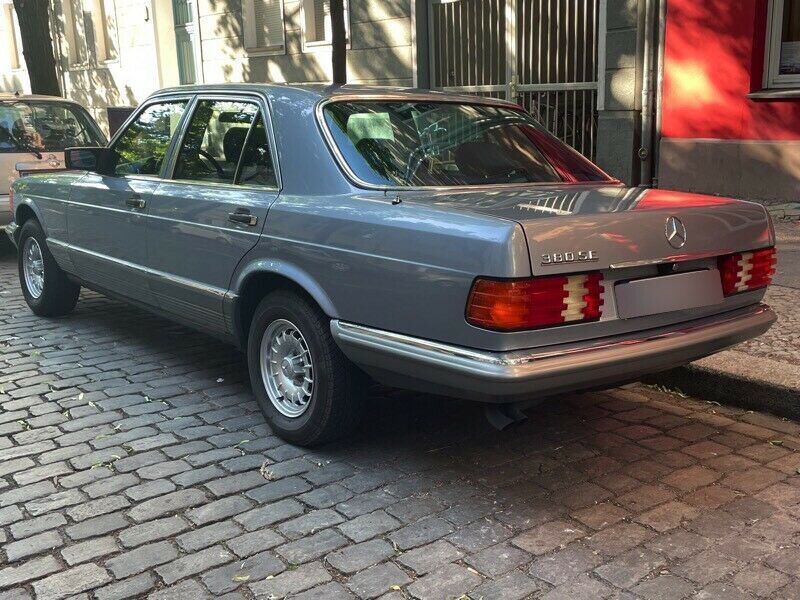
x,y
646,149
662,32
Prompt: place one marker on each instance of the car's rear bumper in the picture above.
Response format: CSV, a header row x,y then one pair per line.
x,y
10,230
420,364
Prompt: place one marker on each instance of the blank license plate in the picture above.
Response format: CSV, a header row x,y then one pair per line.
x,y
668,293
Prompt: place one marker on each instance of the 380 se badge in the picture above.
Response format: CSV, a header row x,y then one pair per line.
x,y
561,258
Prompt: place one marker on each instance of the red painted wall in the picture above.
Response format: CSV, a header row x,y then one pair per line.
x,y
714,57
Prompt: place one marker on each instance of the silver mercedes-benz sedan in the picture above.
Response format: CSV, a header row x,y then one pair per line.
x,y
437,242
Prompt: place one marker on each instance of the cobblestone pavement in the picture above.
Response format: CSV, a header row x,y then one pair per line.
x,y
133,462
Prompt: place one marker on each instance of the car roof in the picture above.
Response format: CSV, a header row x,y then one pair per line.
x,y
316,92
9,97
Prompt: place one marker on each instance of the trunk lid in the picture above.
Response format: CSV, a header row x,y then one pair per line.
x,y
581,228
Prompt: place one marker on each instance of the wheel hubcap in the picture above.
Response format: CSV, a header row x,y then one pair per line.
x,y
286,368
33,267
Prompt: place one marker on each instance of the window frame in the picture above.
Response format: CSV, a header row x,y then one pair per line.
x,y
14,42
190,98
248,16
323,44
266,115
354,179
773,80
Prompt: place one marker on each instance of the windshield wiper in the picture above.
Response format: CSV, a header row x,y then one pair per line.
x,y
23,145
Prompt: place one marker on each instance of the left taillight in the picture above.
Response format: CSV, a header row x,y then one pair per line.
x,y
519,304
745,271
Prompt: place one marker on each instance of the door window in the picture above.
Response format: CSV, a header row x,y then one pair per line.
x,y
143,145
257,167
215,142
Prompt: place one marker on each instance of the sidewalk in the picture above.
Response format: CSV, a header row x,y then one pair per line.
x,y
762,373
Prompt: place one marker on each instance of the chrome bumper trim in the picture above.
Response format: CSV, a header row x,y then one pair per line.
x,y
503,375
11,232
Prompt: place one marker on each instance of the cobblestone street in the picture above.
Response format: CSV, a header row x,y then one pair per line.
x,y
134,463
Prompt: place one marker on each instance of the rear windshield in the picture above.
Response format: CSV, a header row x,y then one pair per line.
x,y
27,126
392,143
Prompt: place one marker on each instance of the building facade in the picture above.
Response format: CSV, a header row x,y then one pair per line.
x,y
731,99
699,96
117,52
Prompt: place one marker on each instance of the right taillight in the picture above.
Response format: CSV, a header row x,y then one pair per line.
x,y
745,271
11,200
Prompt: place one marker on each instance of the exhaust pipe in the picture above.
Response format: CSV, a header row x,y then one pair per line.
x,y
504,416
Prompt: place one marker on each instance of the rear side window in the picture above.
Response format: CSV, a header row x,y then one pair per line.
x,y
144,143
226,142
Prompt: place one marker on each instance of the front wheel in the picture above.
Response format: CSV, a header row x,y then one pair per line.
x,y
46,288
308,390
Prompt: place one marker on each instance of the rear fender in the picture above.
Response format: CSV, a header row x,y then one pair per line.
x,y
282,269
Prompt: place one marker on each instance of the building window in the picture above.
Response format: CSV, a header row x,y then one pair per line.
x,y
783,45
12,36
90,29
263,26
317,22
101,27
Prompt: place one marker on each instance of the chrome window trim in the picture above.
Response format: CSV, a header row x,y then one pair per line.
x,y
358,182
263,104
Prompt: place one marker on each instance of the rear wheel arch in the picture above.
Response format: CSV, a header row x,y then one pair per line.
x,y
260,283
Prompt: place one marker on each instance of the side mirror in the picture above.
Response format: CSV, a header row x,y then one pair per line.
x,y
98,159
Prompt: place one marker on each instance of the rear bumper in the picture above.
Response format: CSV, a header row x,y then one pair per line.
x,y
401,360
10,230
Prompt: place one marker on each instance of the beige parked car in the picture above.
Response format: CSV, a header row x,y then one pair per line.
x,y
34,130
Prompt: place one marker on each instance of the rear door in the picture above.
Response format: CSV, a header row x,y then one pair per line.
x,y
106,218
212,208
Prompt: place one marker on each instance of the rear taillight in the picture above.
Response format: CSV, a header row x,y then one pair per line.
x,y
745,271
11,201
516,304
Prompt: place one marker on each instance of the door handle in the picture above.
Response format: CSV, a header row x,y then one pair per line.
x,y
243,216
135,202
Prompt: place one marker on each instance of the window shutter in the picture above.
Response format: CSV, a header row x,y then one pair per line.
x,y
263,23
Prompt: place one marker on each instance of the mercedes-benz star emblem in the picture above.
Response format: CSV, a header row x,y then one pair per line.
x,y
676,232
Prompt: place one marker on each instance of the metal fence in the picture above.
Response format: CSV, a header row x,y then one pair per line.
x,y
543,54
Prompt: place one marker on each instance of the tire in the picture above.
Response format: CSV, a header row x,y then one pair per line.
x,y
328,408
57,295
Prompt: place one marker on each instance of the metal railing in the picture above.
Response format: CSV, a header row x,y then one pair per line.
x,y
543,54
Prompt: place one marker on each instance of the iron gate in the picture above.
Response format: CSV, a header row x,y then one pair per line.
x,y
543,54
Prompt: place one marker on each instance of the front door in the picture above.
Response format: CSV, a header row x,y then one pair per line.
x,y
107,213
212,211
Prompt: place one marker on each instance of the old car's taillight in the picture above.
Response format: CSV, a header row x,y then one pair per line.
x,y
11,200
745,271
517,304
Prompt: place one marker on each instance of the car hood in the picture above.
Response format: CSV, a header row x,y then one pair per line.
x,y
613,225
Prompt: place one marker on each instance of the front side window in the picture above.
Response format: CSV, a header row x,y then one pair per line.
x,y
783,53
143,145
30,126
391,143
